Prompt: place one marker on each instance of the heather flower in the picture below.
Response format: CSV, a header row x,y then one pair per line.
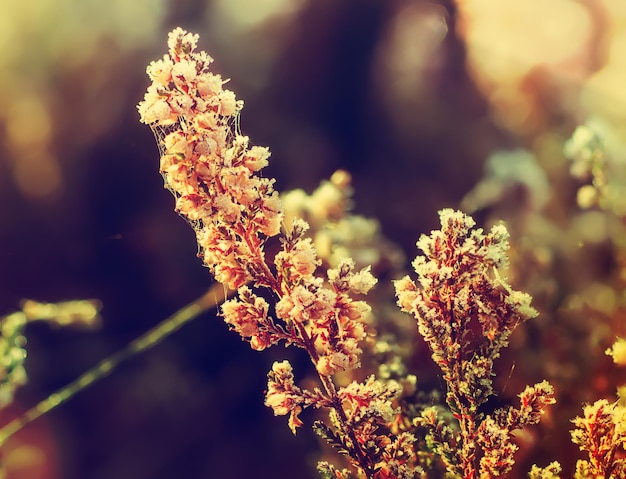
x,y
601,433
342,357
344,279
340,351
466,312
248,316
331,318
461,290
160,71
208,167
213,172
369,414
307,302
298,258
497,459
534,400
494,435
283,396
371,398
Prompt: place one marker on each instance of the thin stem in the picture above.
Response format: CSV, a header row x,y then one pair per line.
x,y
215,295
359,454
331,391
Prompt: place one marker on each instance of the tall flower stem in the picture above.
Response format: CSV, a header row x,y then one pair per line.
x,y
214,296
331,391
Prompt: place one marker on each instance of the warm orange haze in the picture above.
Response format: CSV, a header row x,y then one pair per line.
x,y
395,246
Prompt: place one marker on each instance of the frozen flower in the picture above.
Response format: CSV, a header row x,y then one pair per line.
x,y
371,398
461,289
282,395
181,42
214,174
308,301
534,400
466,312
228,104
601,433
269,216
256,158
362,281
160,71
247,315
207,165
335,361
298,257
155,108
184,72
344,279
495,441
209,85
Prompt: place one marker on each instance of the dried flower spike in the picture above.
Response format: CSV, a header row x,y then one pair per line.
x,y
213,173
210,168
464,308
601,432
466,312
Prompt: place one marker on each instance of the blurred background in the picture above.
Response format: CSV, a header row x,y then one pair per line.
x,y
419,100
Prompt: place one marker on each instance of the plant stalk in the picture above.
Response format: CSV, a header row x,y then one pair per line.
x,y
214,296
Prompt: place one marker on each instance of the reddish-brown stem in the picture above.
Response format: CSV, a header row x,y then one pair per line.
x,y
357,452
468,434
266,278
331,391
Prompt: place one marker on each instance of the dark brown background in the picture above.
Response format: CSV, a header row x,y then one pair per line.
x,y
323,92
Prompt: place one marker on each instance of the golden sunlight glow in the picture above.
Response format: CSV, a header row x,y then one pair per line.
x,y
38,175
247,14
46,48
604,92
517,50
28,122
506,39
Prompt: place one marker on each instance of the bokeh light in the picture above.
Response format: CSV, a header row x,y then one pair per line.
x,y
426,103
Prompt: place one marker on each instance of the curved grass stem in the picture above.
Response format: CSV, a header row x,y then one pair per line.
x,y
214,296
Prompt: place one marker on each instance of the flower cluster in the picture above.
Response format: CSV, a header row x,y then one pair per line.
x,y
284,397
208,167
369,414
466,312
247,315
494,435
464,308
601,432
213,173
